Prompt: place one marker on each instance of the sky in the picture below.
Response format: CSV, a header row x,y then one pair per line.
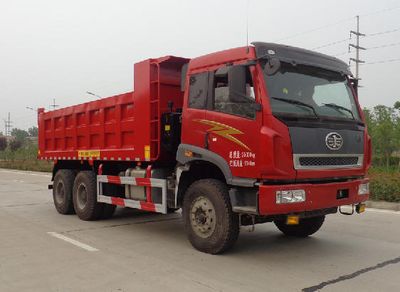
x,y
62,49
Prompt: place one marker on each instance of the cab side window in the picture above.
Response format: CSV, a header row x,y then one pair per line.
x,y
231,97
198,88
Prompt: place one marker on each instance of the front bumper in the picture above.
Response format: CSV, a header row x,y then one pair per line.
x,y
318,196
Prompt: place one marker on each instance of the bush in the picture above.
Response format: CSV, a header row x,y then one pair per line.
x,y
385,185
15,144
3,143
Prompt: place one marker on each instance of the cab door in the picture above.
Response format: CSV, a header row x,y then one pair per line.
x,y
195,109
233,118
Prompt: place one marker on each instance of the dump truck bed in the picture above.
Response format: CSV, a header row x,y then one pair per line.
x,y
123,127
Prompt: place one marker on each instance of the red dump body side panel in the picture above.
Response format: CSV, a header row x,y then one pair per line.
x,y
121,127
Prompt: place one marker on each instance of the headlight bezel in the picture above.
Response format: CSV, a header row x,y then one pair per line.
x,y
290,196
363,189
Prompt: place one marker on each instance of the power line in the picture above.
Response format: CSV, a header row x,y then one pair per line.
x,y
383,32
341,54
384,46
338,23
380,11
316,29
331,44
383,61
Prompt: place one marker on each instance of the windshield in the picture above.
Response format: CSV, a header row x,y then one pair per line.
x,y
311,92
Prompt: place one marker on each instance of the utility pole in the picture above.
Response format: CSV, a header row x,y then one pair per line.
x,y
7,125
54,105
357,60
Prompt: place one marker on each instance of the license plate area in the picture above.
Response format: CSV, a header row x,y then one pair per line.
x,y
342,194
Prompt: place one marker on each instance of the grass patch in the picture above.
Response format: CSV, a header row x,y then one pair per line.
x,y
32,165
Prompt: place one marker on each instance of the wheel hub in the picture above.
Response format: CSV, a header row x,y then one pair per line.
x,y
202,217
82,196
59,194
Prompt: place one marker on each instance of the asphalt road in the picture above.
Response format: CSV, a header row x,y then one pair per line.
x,y
41,250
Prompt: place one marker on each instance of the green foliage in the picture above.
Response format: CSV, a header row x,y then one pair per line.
x,y
19,135
384,128
33,131
15,144
3,143
24,158
385,185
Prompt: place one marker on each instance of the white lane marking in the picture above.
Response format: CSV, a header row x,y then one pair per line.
x,y
383,211
72,241
25,172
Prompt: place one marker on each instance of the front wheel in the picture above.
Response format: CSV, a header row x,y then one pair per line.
x,y
210,223
306,226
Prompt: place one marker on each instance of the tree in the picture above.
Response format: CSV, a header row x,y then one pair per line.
x,y
15,144
33,131
383,126
3,143
19,134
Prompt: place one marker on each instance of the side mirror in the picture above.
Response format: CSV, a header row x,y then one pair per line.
x,y
272,66
256,106
237,83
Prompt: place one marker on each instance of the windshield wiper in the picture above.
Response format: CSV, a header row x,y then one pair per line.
x,y
296,102
339,107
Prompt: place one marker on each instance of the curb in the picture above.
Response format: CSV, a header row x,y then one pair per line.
x,y
383,205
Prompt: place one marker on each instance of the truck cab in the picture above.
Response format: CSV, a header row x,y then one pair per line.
x,y
284,127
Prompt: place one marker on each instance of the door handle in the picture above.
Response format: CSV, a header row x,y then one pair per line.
x,y
206,140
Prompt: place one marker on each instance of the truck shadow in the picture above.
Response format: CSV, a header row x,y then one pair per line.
x,y
266,242
273,245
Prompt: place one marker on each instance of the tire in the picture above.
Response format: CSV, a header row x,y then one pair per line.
x,y
85,197
108,211
62,191
210,223
306,226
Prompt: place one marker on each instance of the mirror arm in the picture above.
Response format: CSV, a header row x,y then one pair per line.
x,y
257,107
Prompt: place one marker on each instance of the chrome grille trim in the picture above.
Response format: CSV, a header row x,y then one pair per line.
x,y
298,165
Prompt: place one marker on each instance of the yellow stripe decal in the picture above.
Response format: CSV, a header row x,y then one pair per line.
x,y
224,131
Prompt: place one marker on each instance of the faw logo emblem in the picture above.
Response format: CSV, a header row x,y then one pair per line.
x,y
224,131
334,141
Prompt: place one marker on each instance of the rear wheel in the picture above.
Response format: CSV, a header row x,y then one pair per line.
x,y
210,223
85,197
306,226
62,191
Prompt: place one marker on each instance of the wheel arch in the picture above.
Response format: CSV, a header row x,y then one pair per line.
x,y
194,171
74,165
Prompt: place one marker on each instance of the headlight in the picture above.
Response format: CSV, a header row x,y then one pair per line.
x,y
290,196
363,189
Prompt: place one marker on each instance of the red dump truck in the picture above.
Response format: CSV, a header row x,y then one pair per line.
x,y
263,133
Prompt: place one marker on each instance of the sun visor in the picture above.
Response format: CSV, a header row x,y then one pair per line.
x,y
300,56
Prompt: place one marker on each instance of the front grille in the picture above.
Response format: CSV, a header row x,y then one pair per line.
x,y
324,161
329,161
